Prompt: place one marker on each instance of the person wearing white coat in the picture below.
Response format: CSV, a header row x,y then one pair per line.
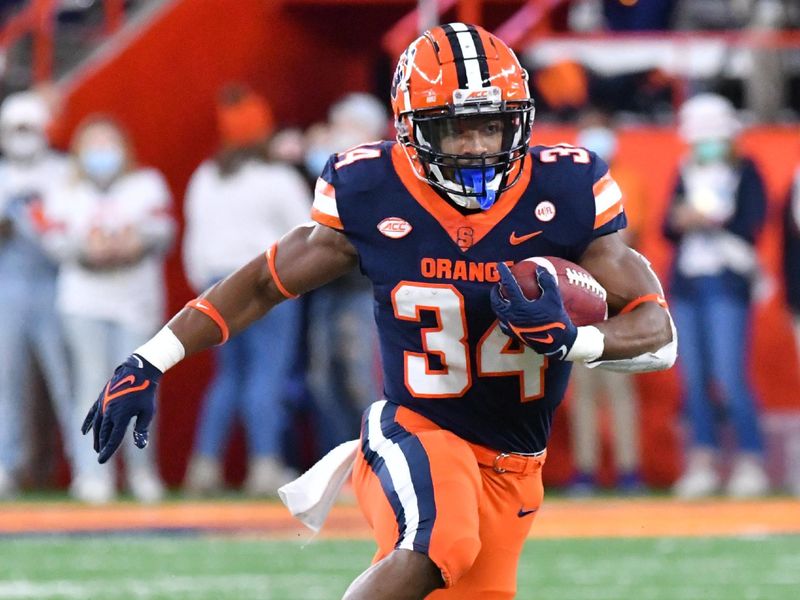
x,y
29,326
110,227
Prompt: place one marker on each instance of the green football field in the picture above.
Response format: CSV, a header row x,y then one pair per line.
x,y
170,567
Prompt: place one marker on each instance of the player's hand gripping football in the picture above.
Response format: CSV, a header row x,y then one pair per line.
x,y
131,392
542,324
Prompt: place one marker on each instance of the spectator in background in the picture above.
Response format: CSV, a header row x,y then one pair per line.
x,y
791,272
344,367
562,87
791,254
237,204
111,229
630,15
288,145
29,325
641,90
717,210
591,386
8,8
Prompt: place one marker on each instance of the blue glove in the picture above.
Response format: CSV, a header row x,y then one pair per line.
x,y
131,392
543,324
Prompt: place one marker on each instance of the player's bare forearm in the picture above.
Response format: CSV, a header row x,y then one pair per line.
x,y
645,329
307,257
626,276
241,298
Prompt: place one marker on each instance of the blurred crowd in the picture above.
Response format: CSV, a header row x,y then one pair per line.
x,y
84,237
83,240
659,58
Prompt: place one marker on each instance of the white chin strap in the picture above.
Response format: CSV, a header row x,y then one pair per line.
x,y
464,201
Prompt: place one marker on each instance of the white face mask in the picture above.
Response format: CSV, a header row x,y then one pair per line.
x,y
315,161
102,164
600,140
22,145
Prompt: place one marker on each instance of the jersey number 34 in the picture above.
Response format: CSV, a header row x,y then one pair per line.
x,y
448,341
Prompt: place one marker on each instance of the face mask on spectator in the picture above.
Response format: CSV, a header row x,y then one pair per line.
x,y
315,160
102,164
345,138
599,140
22,144
340,139
709,151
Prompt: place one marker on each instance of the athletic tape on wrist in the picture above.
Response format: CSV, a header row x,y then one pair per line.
x,y
164,350
588,346
205,307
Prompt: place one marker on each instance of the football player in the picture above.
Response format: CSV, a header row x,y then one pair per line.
x,y
449,471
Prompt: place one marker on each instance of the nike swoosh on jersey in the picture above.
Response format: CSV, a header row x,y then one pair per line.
x,y
524,513
516,240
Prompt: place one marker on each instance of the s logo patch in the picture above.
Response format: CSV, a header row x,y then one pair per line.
x,y
466,237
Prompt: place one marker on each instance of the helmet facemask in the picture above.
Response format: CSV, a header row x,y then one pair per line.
x,y
470,180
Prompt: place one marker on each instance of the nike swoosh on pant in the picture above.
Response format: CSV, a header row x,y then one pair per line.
x,y
525,513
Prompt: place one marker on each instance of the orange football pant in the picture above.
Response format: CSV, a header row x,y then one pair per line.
x,y
467,507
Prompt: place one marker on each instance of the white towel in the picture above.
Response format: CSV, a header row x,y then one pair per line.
x,y
309,497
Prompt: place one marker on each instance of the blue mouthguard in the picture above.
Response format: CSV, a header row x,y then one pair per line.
x,y
476,179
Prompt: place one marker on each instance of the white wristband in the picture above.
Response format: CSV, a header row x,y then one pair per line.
x,y
164,350
588,345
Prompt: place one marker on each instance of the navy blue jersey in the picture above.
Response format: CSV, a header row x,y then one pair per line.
x,y
432,268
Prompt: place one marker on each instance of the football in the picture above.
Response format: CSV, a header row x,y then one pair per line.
x,y
584,298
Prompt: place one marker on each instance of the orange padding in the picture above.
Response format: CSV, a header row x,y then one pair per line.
x,y
205,307
642,299
271,254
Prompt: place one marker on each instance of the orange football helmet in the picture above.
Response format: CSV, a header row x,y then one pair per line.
x,y
451,76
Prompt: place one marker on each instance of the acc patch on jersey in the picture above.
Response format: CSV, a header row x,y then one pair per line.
x,y
394,227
